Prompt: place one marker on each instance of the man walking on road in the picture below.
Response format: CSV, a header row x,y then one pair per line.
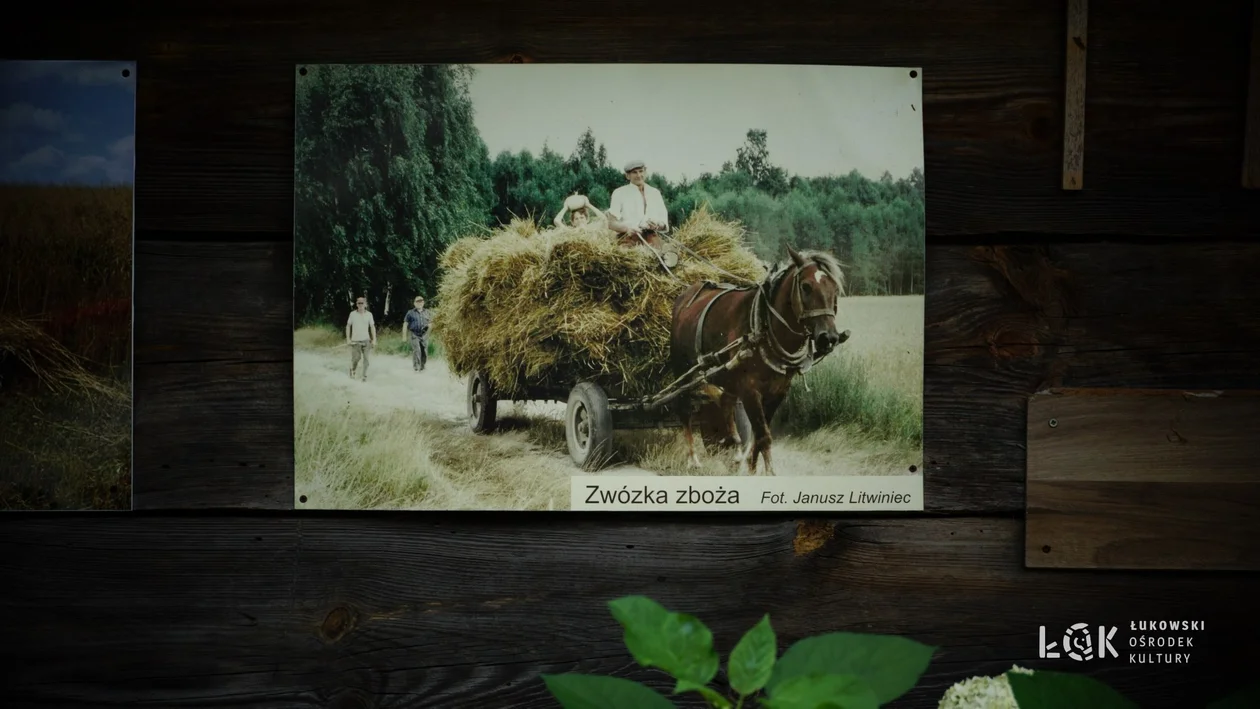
x,y
360,335
416,323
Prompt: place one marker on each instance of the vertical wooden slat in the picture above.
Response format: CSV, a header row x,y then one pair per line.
x,y
1074,96
1251,151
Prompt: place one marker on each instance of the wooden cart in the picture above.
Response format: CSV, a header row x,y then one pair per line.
x,y
594,412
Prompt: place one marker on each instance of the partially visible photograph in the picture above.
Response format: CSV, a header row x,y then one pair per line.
x,y
67,168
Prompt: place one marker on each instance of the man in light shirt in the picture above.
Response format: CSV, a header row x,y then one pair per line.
x,y
360,335
637,207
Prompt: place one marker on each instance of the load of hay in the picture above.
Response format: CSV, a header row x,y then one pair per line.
x,y
546,307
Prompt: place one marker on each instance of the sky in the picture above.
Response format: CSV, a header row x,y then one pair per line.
x,y
687,119
67,122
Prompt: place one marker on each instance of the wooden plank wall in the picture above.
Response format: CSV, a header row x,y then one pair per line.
x,y
1144,277
1143,479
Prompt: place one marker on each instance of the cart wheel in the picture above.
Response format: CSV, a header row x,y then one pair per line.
x,y
482,405
588,426
743,426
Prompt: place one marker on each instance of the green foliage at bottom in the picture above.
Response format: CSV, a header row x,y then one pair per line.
x,y
830,671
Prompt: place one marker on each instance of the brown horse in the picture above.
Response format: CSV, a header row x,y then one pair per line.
x,y
772,331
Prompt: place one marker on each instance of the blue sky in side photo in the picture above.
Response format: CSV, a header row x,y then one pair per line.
x,y
67,122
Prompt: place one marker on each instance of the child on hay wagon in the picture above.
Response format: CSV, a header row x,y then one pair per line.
x,y
579,209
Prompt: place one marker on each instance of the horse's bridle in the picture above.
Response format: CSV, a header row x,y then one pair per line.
x,y
761,337
773,353
798,302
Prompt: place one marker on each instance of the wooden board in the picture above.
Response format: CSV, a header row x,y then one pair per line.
x,y
462,611
1074,95
1144,479
215,96
1251,158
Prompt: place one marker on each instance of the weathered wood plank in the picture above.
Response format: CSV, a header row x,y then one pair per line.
x,y
1143,479
1144,435
1074,95
214,376
1001,323
213,434
213,302
388,611
1143,525
215,146
1251,156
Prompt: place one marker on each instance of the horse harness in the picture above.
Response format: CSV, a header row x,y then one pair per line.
x,y
761,339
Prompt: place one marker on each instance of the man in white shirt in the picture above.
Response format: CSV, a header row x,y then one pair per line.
x,y
637,207
360,332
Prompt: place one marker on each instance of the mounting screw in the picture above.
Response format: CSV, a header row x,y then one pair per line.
x,y
1054,422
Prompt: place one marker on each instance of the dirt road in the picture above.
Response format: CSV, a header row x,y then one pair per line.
x,y
392,386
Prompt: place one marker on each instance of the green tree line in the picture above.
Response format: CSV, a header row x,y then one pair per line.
x,y
390,169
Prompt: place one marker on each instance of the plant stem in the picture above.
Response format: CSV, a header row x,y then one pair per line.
x,y
740,702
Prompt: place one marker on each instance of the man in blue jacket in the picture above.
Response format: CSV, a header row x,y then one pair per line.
x,y
416,324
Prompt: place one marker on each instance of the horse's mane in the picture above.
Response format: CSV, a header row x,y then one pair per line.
x,y
825,261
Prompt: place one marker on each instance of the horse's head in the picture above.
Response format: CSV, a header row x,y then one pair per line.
x,y
816,289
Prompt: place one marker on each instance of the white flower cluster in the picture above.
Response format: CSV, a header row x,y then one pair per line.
x,y
982,693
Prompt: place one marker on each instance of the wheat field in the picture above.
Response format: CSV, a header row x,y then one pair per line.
x,y
65,347
873,385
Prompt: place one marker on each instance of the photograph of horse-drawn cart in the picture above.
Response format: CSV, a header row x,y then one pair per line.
x,y
599,393
733,290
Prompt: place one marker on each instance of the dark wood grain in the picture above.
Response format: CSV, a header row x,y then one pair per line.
x,y
1166,106
213,302
1143,479
214,387
1074,95
388,611
1143,525
1251,156
214,374
1004,322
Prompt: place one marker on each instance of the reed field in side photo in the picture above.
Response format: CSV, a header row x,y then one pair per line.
x,y
66,205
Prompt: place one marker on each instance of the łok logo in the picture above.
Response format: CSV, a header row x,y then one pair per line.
x,y
1078,643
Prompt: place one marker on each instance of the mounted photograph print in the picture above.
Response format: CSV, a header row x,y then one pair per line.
x,y
608,287
67,163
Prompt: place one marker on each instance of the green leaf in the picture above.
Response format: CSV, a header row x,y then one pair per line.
x,y
1063,690
1245,698
577,691
677,643
822,691
890,665
637,613
752,660
714,699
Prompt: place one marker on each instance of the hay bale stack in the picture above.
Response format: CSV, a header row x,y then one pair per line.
x,y
546,307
